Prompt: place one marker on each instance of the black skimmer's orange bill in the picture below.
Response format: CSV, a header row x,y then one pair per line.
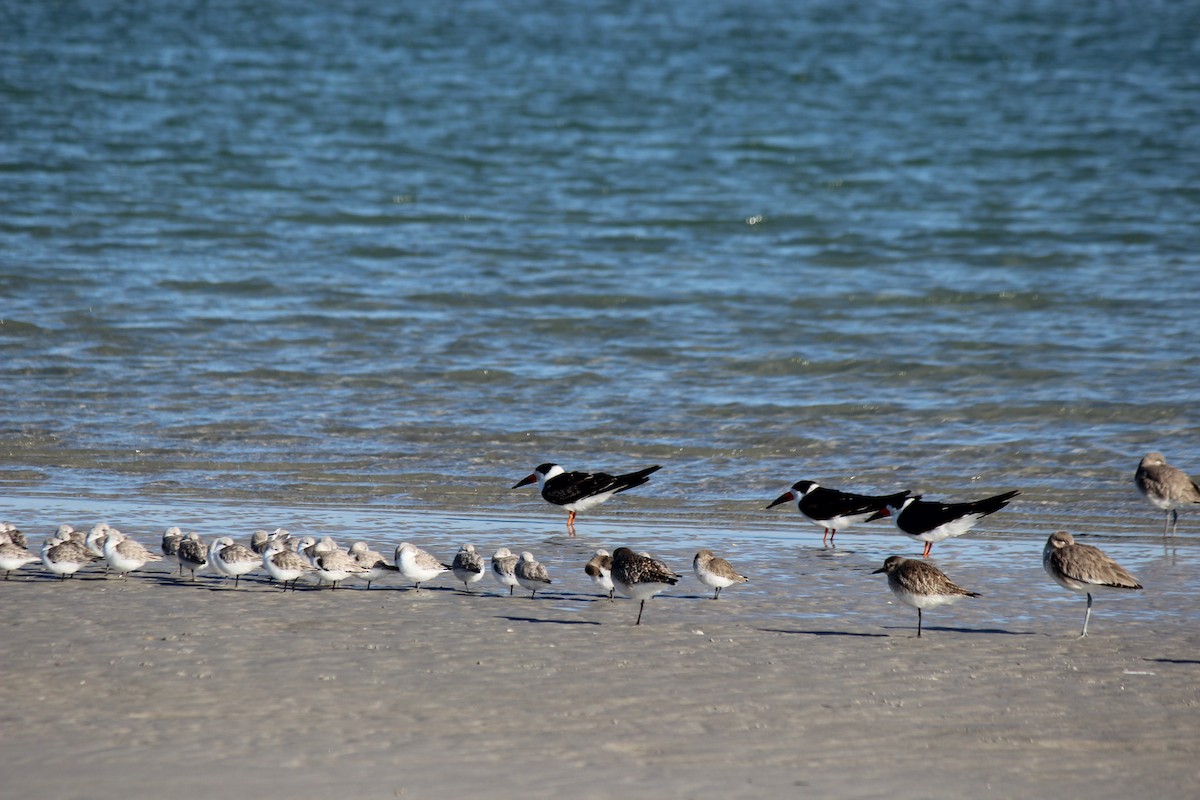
x,y
579,491
1166,487
930,522
834,510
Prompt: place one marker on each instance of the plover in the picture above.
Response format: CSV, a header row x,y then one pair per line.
x,y
931,522
599,569
833,510
715,572
531,574
504,565
1166,487
467,566
579,491
640,577
231,559
124,555
1083,568
416,565
920,585
284,565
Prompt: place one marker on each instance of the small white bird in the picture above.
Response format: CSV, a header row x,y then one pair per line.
x,y
14,556
124,555
231,559
65,558
192,554
531,574
417,565
336,565
468,566
373,564
284,565
504,565
599,569
715,572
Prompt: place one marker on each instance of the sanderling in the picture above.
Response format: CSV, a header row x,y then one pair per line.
x,y
373,564
531,574
467,566
416,565
170,545
336,565
715,572
931,522
1166,487
124,555
14,556
192,554
640,577
504,565
65,558
231,559
1083,568
920,585
284,565
97,537
10,533
599,569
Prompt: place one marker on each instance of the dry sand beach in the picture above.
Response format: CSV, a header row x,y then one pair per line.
x,y
807,681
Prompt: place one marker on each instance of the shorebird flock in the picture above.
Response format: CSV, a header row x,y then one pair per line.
x,y
637,575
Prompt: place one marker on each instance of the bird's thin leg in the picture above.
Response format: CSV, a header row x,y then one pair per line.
x,y
717,593
641,608
928,547
1087,616
919,623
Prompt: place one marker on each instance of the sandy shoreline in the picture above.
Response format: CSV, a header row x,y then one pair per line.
x,y
807,680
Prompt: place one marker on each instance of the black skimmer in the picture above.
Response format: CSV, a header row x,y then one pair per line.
x,y
932,522
920,585
1083,568
579,491
1166,487
834,510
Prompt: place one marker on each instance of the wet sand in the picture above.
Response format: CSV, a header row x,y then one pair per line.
x,y
806,681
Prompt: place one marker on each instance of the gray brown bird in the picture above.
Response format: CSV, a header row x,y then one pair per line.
x,y
1166,487
599,569
1083,568
531,574
640,577
715,572
920,585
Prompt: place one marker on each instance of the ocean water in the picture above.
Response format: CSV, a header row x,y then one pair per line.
x,y
392,256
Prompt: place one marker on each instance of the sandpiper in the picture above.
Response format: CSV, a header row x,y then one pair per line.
x,y
124,555
599,569
373,563
467,566
1083,568
231,559
1166,487
640,576
284,565
531,574
192,554
504,565
417,565
715,572
920,585
14,556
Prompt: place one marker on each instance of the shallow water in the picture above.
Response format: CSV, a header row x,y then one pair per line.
x,y
361,256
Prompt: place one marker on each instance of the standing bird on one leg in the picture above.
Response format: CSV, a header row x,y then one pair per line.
x,y
715,572
920,585
531,574
1083,568
833,510
1165,487
931,522
579,491
640,577
467,566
